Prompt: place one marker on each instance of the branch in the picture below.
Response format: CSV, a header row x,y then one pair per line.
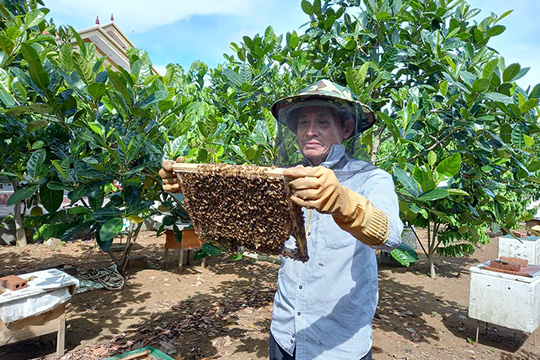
x,y
437,142
418,239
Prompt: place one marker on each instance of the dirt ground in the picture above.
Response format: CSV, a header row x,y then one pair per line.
x,y
223,311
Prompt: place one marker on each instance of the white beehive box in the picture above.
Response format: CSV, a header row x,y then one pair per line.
x,y
504,299
528,248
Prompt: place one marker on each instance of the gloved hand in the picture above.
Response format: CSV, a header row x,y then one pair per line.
x,y
168,177
318,188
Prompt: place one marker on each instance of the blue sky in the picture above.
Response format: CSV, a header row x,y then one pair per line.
x,y
181,31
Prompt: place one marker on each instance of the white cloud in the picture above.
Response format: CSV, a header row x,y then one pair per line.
x,y
140,16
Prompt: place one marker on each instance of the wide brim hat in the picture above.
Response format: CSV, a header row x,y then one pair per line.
x,y
324,93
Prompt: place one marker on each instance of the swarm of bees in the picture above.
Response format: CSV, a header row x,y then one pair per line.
x,y
243,207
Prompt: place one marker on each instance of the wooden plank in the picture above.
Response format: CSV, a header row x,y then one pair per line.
x,y
267,170
32,326
61,336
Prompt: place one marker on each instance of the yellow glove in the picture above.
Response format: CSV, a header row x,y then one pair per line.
x,y
168,177
318,188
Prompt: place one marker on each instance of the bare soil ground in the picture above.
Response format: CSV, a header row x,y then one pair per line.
x,y
223,311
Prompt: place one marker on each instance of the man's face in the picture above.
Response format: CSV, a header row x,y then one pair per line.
x,y
318,129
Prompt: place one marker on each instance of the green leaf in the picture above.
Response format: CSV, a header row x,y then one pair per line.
x,y
432,158
34,163
96,90
495,30
37,145
154,97
106,212
404,254
356,78
480,85
83,68
528,105
50,199
69,233
457,192
307,8
518,139
38,74
382,15
33,17
419,175
489,68
498,97
449,166
535,92
443,88
529,141
53,185
389,58
97,128
207,249
434,194
29,53
62,167
232,77
407,181
22,194
110,229
510,72
77,194
390,124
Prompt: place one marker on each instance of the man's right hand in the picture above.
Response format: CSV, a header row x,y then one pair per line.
x,y
168,177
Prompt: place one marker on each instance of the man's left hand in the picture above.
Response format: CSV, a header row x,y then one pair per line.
x,y
316,188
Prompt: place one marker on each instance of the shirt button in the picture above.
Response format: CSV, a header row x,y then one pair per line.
x,y
291,341
299,313
300,287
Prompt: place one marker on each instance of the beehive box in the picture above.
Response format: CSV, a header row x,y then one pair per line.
x,y
504,299
525,248
241,206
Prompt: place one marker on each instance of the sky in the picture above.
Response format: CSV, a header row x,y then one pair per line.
x,y
181,31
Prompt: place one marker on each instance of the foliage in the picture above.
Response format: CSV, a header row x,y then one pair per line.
x,y
404,254
87,130
455,130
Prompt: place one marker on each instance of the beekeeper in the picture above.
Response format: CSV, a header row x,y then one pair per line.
x,y
323,308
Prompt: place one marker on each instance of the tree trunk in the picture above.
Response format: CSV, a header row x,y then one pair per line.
x,y
432,272
375,146
17,214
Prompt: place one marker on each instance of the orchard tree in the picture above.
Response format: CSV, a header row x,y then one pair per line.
x,y
84,129
455,129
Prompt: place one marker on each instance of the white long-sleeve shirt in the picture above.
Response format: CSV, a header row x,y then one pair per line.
x,y
324,307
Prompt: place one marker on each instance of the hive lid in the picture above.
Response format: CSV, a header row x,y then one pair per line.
x,y
530,273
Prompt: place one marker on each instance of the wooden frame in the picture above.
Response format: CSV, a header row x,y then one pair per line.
x,y
206,197
37,325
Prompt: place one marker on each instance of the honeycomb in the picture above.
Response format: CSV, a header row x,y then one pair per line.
x,y
243,207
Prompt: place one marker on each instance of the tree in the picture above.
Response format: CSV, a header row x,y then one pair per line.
x,y
454,128
85,130
22,24
441,93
